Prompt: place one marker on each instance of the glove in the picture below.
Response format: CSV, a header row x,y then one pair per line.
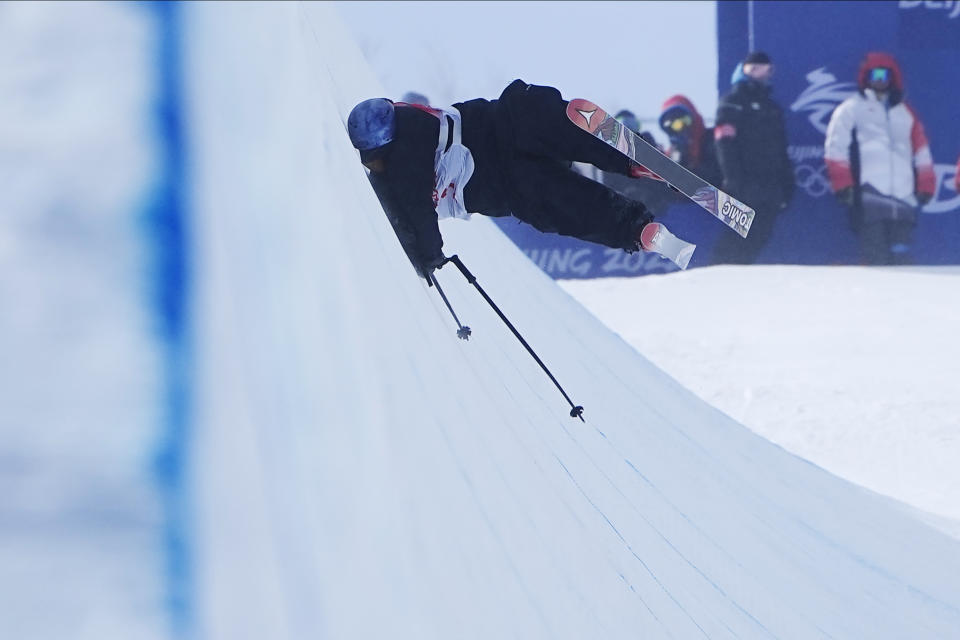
x,y
924,198
426,268
845,196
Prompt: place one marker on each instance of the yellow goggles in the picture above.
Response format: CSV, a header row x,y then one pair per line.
x,y
678,124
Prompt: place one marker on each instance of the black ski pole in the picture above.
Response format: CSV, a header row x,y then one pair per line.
x,y
462,332
576,411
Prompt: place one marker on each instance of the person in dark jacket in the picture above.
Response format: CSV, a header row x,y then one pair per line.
x,y
509,156
691,143
751,145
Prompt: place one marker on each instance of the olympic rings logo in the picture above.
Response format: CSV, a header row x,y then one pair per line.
x,y
812,179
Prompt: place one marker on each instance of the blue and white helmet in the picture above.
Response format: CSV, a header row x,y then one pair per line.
x,y
371,124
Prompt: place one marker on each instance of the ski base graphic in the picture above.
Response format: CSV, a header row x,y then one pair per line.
x,y
603,126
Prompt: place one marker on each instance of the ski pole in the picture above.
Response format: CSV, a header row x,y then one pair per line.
x,y
576,411
462,332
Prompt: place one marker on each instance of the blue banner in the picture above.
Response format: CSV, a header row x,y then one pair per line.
x,y
816,48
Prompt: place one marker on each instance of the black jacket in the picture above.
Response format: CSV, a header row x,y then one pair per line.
x,y
708,166
752,146
405,187
522,145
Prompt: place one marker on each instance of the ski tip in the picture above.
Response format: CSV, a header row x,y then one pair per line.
x,y
683,258
581,103
744,229
656,238
650,236
585,114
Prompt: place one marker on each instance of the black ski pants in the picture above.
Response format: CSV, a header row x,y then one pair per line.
x,y
537,145
886,242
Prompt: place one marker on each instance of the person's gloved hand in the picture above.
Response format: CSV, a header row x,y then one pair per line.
x,y
924,198
845,196
426,268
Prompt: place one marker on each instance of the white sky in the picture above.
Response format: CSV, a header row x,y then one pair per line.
x,y
629,55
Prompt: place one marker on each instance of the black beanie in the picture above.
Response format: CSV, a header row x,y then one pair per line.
x,y
756,57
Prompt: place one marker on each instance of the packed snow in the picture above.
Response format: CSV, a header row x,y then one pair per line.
x,y
852,368
378,476
356,471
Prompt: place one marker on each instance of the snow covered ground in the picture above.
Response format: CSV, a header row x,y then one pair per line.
x,y
360,472
355,470
854,369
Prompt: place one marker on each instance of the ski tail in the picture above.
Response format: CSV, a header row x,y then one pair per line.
x,y
657,238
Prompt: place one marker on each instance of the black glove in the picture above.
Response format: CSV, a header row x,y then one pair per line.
x,y
924,198
845,196
425,268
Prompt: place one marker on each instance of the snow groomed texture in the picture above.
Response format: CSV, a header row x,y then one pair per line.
x,y
360,472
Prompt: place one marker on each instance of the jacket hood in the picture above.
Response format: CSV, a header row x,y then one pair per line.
x,y
696,129
881,59
738,75
684,101
742,82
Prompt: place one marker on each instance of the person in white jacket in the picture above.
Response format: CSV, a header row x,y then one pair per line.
x,y
879,161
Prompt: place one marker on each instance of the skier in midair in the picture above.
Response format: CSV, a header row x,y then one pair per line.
x,y
509,156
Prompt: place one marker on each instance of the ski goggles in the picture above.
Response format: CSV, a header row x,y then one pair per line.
x,y
758,70
879,74
676,123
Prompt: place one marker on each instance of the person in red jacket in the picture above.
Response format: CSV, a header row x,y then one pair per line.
x,y
879,161
691,142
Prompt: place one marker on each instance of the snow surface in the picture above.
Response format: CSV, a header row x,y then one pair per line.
x,y
362,473
853,368
357,471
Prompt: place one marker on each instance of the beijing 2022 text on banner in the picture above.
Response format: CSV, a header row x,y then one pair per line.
x,y
816,48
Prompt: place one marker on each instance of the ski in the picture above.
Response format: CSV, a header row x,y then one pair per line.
x,y
657,238
603,126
